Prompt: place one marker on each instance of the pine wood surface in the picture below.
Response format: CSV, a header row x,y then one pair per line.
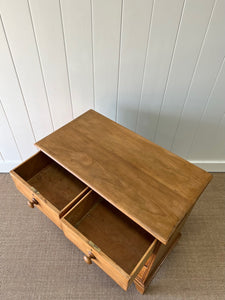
x,y
151,185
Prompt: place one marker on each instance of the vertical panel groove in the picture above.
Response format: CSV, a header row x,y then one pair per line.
x,y
92,50
193,74
66,60
118,72
1,157
39,60
205,108
10,128
171,62
144,69
17,77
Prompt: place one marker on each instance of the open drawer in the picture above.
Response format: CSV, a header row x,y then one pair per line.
x,y
109,238
48,186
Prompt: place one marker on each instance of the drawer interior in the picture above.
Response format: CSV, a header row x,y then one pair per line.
x,y
51,180
114,233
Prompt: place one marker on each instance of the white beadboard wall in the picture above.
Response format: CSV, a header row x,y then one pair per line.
x,y
155,66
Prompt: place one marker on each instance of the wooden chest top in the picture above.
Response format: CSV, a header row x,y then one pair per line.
x,y
151,185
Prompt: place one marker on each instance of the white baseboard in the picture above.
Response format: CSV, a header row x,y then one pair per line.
x,y
210,166
6,166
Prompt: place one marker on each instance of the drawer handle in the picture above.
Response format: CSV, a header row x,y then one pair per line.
x,y
32,202
88,258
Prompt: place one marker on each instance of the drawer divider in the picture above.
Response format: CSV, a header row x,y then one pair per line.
x,y
73,202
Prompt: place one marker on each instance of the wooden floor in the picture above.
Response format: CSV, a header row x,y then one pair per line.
x,y
38,262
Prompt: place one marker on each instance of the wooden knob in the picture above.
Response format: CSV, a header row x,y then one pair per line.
x,y
88,258
32,202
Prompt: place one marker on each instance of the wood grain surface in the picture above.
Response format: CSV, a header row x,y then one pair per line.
x,y
151,185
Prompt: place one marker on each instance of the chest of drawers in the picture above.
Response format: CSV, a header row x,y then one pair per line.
x,y
118,197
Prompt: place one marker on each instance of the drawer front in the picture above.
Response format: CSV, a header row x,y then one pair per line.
x,y
43,205
103,261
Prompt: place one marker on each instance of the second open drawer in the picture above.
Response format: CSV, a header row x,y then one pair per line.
x,y
109,238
